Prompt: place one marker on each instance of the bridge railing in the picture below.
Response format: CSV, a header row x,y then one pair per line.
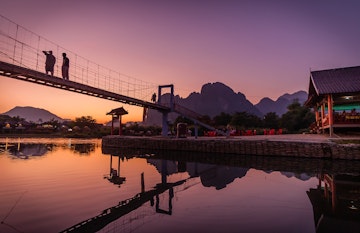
x,y
22,47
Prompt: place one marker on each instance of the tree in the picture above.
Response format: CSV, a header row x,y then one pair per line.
x,y
297,118
245,120
271,120
181,119
223,119
86,121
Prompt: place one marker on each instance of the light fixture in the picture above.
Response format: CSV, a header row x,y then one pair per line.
x,y
352,206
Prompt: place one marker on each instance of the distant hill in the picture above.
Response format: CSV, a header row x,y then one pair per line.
x,y
32,114
215,98
279,106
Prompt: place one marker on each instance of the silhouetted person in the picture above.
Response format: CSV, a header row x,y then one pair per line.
x,y
153,98
50,62
65,67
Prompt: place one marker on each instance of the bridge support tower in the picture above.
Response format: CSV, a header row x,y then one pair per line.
x,y
165,121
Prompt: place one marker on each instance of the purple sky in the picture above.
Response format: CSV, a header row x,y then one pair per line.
x,y
259,48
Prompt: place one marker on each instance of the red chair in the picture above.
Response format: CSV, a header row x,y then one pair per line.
x,y
248,133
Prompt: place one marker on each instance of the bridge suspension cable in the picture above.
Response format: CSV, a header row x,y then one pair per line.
x,y
22,47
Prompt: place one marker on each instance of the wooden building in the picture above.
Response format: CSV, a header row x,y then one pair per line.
x,y
335,96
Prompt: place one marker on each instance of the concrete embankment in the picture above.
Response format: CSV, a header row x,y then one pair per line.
x,y
300,146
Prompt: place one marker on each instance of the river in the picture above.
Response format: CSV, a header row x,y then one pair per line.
x,y
74,185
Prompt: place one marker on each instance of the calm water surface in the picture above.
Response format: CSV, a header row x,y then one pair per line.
x,y
56,185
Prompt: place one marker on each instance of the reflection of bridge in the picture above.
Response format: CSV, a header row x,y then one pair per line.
x,y
21,58
124,207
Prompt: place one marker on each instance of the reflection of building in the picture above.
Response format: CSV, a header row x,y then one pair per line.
x,y
335,96
336,203
114,174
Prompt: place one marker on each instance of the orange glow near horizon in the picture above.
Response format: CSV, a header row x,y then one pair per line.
x,y
64,104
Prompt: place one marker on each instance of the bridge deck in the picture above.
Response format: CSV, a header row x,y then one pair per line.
x,y
21,73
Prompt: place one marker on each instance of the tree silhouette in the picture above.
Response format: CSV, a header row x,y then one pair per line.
x,y
271,120
297,117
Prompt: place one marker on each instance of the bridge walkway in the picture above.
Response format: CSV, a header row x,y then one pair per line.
x,y
25,74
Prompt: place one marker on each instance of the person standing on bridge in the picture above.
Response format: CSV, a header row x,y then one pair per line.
x,y
153,98
50,62
65,67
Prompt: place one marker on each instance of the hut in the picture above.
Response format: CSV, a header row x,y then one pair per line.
x,y
116,115
334,95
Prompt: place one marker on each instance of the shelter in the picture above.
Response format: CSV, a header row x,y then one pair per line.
x,y
116,115
335,96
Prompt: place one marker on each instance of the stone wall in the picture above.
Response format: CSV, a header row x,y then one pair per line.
x,y
324,150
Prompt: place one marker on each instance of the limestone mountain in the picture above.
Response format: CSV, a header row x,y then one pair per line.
x,y
213,99
279,106
32,114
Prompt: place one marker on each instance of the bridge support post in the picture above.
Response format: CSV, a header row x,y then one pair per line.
x,y
196,129
165,127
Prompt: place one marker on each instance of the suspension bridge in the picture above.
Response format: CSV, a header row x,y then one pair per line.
x,y
22,58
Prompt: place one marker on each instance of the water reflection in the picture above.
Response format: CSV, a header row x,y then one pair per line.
x,y
336,200
83,148
114,174
24,150
157,191
210,175
126,206
336,203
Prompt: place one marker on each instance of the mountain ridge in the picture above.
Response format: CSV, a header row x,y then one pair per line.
x,y
212,99
32,114
216,97
279,106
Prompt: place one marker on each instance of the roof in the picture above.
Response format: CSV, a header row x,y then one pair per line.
x,y
340,80
117,111
334,81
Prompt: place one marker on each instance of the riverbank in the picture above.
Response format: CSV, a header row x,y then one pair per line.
x,y
290,145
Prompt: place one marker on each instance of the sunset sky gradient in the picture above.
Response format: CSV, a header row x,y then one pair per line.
x,y
259,48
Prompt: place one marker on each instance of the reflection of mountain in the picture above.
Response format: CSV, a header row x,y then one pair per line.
x,y
336,204
210,175
25,151
216,176
166,167
300,176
